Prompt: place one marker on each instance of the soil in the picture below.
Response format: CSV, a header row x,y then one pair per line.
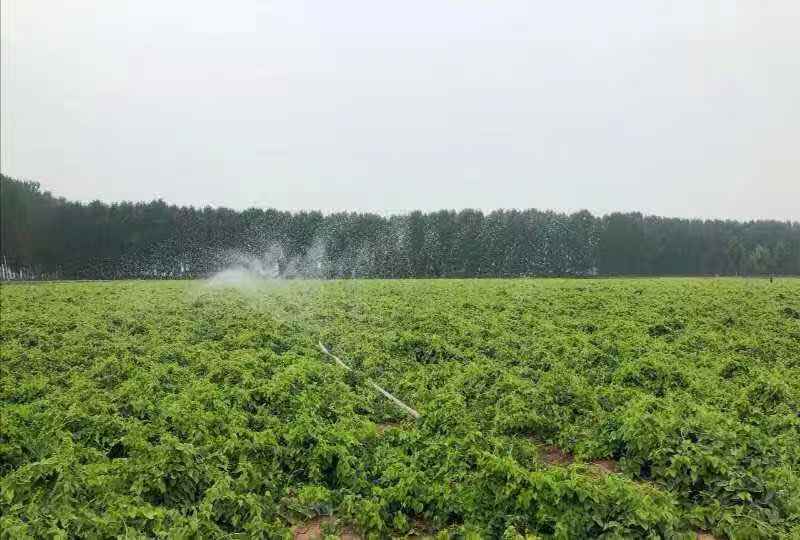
x,y
554,455
312,530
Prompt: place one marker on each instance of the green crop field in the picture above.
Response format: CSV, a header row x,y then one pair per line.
x,y
640,408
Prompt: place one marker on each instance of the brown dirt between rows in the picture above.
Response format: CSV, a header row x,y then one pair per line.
x,y
312,530
552,455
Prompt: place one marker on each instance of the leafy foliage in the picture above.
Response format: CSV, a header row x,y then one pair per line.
x,y
173,409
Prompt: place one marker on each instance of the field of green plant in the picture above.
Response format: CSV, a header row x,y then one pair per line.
x,y
640,408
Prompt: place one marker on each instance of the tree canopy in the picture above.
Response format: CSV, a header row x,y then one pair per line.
x,y
45,237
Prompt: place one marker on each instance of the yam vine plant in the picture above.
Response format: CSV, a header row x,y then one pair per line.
x,y
178,410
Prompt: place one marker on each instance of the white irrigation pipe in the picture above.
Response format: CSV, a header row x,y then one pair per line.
x,y
389,396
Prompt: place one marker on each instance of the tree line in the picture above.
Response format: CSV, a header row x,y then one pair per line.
x,y
45,237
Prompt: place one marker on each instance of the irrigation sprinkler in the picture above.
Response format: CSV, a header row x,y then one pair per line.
x,y
411,412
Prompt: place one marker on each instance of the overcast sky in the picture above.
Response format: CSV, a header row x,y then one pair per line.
x,y
680,108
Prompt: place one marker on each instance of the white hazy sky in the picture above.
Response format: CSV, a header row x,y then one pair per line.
x,y
680,108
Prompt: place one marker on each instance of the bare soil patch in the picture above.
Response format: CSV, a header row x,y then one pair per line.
x,y
312,530
553,455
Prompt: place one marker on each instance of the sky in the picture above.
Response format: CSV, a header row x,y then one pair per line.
x,y
677,108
